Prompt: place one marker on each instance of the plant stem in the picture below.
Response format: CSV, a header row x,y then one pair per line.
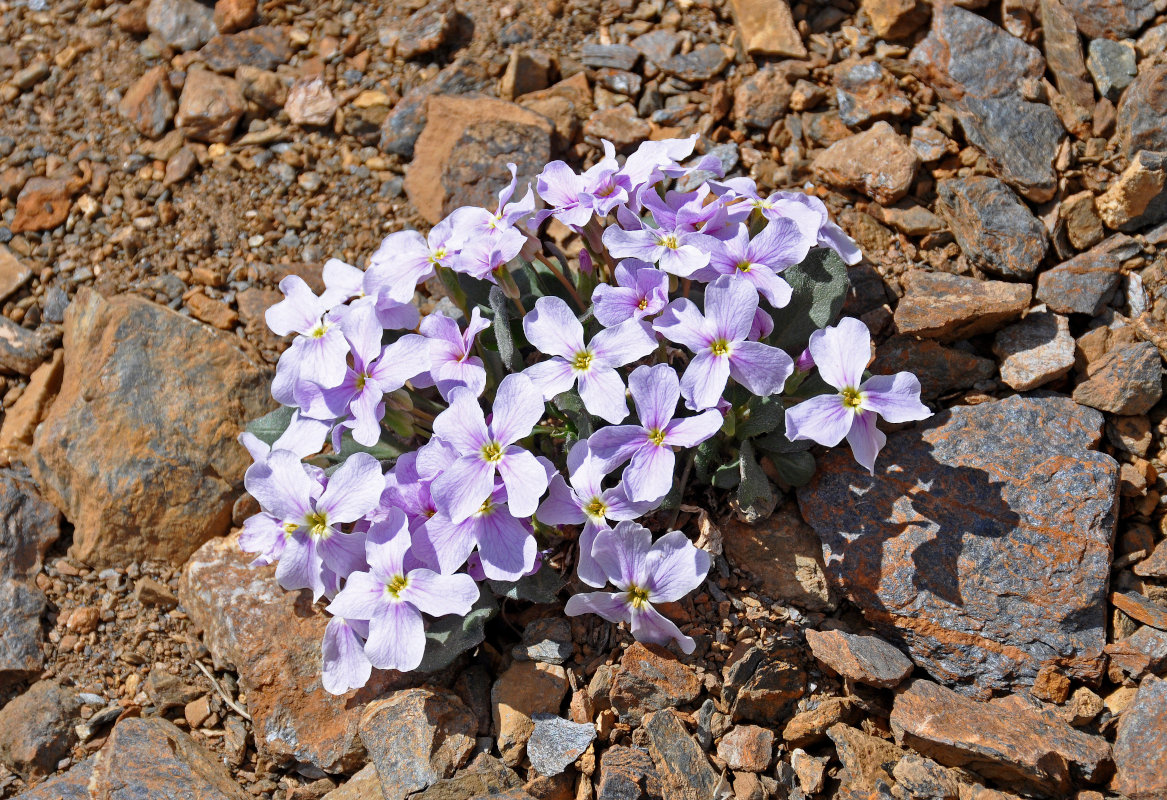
x,y
684,483
562,279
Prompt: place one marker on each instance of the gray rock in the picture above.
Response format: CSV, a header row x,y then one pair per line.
x,y
36,729
861,657
1112,65
1019,138
1138,197
1063,51
627,773
70,785
765,684
658,45
616,56
22,350
865,91
683,767
944,534
264,47
427,29
996,231
1085,283
762,98
404,124
181,24
1126,381
486,776
1142,112
1117,19
557,743
1140,749
937,305
1035,351
699,64
547,640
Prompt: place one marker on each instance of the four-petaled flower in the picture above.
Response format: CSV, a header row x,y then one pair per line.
x,y
640,291
451,364
759,260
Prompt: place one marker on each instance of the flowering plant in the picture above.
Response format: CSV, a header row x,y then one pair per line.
x,y
418,459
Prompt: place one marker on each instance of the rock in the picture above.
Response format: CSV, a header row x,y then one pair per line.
x,y
865,91
272,639
1113,19
1112,65
761,99
181,24
461,160
1019,139
527,71
1063,52
867,760
808,727
43,204
895,19
657,46
1140,748
1154,565
20,421
1085,283
426,30
485,776
685,772
265,47
610,56
416,737
747,747
155,382
212,312
1007,743
525,689
1138,197
234,15
22,351
363,786
150,592
36,729
30,76
627,773
930,144
620,125
1140,608
995,230
150,757
1128,380
70,785
210,106
699,64
878,162
568,104
948,571
1142,112
557,743
179,167
1083,227
1035,351
940,369
783,554
547,640
924,778
310,103
806,95
767,28
403,126
937,305
861,657
265,89
810,771
764,684
149,104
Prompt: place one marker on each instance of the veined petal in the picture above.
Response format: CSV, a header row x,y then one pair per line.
x,y
602,393
704,379
682,323
345,665
560,507
623,553
445,545
841,352
343,553
518,406
588,569
553,329
463,424
866,440
280,485
615,444
630,341
439,595
649,625
730,306
386,544
615,305
396,638
692,431
353,490
552,377
400,361
507,546
823,419
655,390
896,398
363,597
649,476
612,606
677,567
463,488
525,480
298,312
759,367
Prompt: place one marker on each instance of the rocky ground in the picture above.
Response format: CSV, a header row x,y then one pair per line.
x,y
985,618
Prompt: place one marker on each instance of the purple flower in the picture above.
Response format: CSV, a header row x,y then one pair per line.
x,y
719,341
310,515
474,566
394,593
450,362
554,330
485,256
574,198
486,451
472,221
640,292
587,502
812,218
506,544
645,572
345,665
406,258
841,353
649,445
318,353
674,245
758,260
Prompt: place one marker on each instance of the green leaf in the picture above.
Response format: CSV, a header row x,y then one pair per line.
x,y
766,414
777,442
382,450
727,476
795,468
820,285
755,497
271,426
542,587
570,403
502,329
704,458
450,636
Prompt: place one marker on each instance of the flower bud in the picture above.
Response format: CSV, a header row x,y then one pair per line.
x,y
805,362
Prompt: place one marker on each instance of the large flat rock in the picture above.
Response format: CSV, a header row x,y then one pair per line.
x,y
983,541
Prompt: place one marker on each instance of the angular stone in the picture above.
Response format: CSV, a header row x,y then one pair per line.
x,y
568,104
210,107
940,369
155,382
783,553
937,305
150,757
861,657
1138,197
651,678
1035,351
1083,227
1063,52
610,56
1140,748
767,28
1085,283
1116,19
865,91
895,19
149,104
620,125
763,685
1142,112
657,46
924,778
1128,380
43,204
1140,608
547,640
486,776
1020,140
527,71
19,426
13,273
311,103
416,737
557,743
402,127
265,47
697,65
1006,743
867,760
949,570
627,773
808,727
70,785
234,15
266,89
685,772
995,230
747,747
761,99
22,351
462,158
426,30
181,24
878,162
525,689
36,729
1112,65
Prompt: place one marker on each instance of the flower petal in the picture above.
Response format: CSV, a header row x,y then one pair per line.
x,y
588,569
439,595
463,424
507,547
353,490
386,544
678,567
650,475
649,625
560,507
612,606
518,406
823,419
622,553
682,322
866,440
616,444
655,390
704,380
552,328
363,597
525,479
841,352
759,367
602,393
463,488
280,485
345,665
730,306
442,544
896,398
630,341
552,377
396,638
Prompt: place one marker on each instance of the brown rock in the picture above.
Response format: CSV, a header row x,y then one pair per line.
x,y
131,18
810,771
83,619
22,351
36,729
1115,19
937,305
996,231
1142,111
866,759
767,28
13,273
426,29
1008,744
262,87
878,162
783,553
265,47
761,99
865,91
1128,380
29,410
861,657
1140,749
1035,351
651,678
1083,227
923,777
895,19
1138,197
747,747
486,776
1085,283
685,771
527,71
627,772
210,106
363,786
568,104
150,592
416,737
1140,608
310,102
179,167
526,688
150,757
940,369
212,312
154,382
1154,565
234,15
764,684
149,104
807,727
931,144
70,785
180,24
1063,51
43,204
1051,685
197,712
620,125
908,217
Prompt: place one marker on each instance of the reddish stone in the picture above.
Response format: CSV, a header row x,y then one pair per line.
x,y
1128,380
651,678
212,312
43,204
685,771
807,727
210,107
940,369
234,15
763,685
747,747
526,688
627,772
783,554
867,760
878,162
620,125
265,48
1140,749
149,104
1112,19
1140,608
894,19
1086,282
937,305
860,657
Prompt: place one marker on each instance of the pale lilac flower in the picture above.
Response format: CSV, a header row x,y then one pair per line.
x,y
813,219
310,516
505,543
586,502
719,341
554,330
486,451
655,390
645,572
406,258
573,199
450,362
674,245
640,291
394,593
759,260
304,436
473,221
474,566
484,257
318,353
841,353
342,282
345,665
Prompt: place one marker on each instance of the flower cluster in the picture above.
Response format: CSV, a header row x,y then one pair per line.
x,y
418,460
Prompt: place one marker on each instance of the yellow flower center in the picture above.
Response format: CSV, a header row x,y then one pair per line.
x,y
744,266
582,361
395,587
643,304
637,596
492,452
669,241
290,529
361,378
656,436
318,331
852,399
438,255
317,522
486,509
596,509
719,348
